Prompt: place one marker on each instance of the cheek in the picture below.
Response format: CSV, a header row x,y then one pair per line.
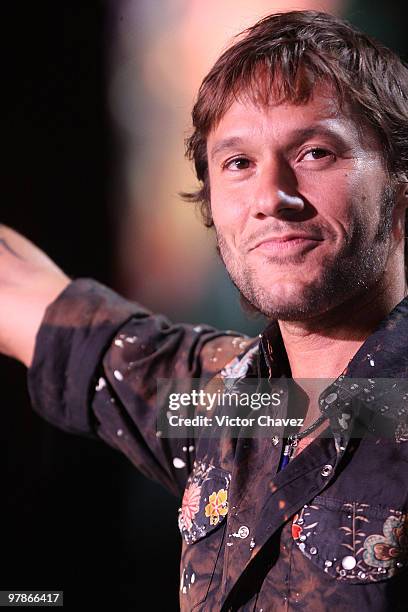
x,y
339,200
227,217
331,202
228,211
367,193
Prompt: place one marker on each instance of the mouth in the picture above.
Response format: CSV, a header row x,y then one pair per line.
x,y
290,243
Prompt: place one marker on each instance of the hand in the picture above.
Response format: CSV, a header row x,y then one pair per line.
x,y
29,282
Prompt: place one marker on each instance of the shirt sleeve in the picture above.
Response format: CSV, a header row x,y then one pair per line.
x,y
96,364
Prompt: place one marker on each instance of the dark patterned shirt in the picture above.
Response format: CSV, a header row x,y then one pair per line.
x,y
328,532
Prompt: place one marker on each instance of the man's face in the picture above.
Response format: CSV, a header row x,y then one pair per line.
x,y
301,205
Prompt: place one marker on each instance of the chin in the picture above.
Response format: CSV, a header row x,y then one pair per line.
x,y
290,301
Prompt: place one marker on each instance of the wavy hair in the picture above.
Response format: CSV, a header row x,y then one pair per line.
x,y
287,54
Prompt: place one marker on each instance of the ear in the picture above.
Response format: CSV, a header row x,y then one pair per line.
x,y
400,213
402,190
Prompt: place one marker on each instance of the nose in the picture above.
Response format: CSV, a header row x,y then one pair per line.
x,y
275,193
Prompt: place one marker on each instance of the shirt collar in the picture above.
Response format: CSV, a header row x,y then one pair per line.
x,y
371,390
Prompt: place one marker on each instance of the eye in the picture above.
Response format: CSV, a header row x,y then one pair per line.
x,y
316,153
238,163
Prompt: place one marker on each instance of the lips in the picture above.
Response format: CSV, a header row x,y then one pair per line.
x,y
285,242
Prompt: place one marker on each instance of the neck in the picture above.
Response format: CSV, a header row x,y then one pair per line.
x,y
322,347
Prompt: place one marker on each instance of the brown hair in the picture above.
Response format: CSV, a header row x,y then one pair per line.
x,y
290,52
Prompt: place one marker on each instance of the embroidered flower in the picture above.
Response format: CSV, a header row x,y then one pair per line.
x,y
383,550
190,504
217,506
296,529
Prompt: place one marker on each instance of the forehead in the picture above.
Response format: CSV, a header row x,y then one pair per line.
x,y
248,119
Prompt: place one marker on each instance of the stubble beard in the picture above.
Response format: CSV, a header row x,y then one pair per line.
x,y
350,271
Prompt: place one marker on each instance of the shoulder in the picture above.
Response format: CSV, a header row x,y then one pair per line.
x,y
226,353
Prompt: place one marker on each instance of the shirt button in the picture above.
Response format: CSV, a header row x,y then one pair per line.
x,y
348,563
327,470
243,532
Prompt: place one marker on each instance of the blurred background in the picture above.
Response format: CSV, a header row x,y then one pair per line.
x,y
98,99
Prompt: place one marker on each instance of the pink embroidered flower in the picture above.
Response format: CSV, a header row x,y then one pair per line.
x,y
190,504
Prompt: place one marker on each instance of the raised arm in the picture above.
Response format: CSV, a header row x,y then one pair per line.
x,y
29,282
95,359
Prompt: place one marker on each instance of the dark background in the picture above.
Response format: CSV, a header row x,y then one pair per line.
x,y
75,515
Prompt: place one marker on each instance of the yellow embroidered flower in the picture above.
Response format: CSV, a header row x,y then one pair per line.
x,y
217,506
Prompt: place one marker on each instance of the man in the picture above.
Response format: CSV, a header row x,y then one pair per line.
x,y
301,146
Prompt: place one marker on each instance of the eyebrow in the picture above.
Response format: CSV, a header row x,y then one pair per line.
x,y
303,134
224,144
296,137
